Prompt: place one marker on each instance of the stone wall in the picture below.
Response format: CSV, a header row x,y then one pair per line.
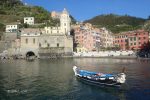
x,y
10,36
55,46
2,46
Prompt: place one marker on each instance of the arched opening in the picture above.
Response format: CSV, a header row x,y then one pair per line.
x,y
29,54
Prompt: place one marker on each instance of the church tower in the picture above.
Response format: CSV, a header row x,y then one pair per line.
x,y
65,22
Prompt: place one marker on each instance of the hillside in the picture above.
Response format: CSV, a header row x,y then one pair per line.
x,y
117,23
14,11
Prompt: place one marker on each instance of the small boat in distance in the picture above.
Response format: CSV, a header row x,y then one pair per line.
x,y
100,78
30,58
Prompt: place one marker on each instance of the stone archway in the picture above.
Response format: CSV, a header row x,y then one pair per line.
x,y
29,54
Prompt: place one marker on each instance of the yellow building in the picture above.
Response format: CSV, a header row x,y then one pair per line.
x,y
81,49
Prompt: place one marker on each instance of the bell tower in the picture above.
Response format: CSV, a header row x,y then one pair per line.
x,y
65,22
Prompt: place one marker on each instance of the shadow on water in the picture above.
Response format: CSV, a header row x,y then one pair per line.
x,y
3,92
111,91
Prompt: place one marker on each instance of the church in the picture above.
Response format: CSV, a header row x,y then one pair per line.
x,y
50,41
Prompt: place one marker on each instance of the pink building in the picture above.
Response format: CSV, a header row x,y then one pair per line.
x,y
87,37
93,39
137,39
131,40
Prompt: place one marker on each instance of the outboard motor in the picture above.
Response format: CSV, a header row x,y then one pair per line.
x,y
121,78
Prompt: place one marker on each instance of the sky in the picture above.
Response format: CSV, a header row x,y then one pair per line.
x,y
85,9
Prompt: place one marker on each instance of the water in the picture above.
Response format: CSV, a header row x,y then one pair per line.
x,y
55,80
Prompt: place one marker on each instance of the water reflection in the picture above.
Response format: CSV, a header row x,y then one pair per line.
x,y
54,79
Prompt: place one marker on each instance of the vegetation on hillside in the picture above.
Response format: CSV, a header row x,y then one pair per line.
x,y
117,23
147,25
73,20
2,28
17,10
14,11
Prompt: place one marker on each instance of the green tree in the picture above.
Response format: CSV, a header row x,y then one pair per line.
x,y
117,23
2,27
147,26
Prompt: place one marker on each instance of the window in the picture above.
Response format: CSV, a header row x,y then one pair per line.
x,y
48,45
131,39
45,41
57,44
39,44
26,41
64,24
134,38
131,44
135,43
34,41
139,38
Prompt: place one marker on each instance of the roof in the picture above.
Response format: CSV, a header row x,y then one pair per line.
x,y
31,30
65,11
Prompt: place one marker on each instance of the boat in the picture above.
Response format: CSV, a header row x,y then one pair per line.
x,y
100,79
30,58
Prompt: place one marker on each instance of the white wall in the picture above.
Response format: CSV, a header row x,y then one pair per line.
x,y
11,28
29,20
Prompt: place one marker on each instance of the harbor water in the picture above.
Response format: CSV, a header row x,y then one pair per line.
x,y
53,79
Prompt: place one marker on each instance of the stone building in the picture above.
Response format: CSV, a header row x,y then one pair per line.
x,y
11,28
57,40
64,27
11,32
52,45
9,38
30,41
50,41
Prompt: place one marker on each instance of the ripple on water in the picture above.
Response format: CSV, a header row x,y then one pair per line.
x,y
55,80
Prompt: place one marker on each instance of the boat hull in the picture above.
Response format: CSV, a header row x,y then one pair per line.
x,y
99,78
99,83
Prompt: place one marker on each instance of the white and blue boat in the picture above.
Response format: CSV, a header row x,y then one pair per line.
x,y
98,78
